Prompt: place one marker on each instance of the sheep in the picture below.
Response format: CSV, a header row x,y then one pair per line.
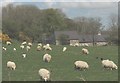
x,y
24,55
109,64
82,65
64,49
11,65
47,47
29,44
47,58
85,51
24,43
14,49
28,48
39,48
39,44
22,46
8,43
44,74
4,48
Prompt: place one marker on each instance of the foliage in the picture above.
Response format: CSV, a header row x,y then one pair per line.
x,y
35,22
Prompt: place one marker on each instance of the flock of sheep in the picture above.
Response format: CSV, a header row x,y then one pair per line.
x,y
44,73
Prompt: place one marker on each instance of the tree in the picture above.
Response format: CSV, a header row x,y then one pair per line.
x,y
113,29
91,25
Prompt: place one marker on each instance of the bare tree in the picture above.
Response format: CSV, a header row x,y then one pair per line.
x,y
113,28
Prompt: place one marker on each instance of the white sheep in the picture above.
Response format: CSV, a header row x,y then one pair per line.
x,y
8,43
24,43
47,58
39,44
11,65
64,49
22,46
4,48
29,44
109,64
24,55
85,51
39,48
81,65
28,48
44,74
47,47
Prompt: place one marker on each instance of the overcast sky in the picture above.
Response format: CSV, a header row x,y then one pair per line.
x,y
76,8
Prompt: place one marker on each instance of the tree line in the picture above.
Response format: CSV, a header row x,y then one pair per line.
x,y
35,24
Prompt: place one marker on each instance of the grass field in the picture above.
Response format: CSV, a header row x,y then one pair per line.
x,y
61,65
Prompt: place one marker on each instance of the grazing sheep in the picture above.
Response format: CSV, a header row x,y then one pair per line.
x,y
4,48
39,48
81,65
109,64
64,49
47,57
47,47
24,55
39,44
24,43
8,43
44,74
11,65
29,44
22,46
28,48
85,51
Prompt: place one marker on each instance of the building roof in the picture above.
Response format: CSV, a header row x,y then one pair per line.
x,y
71,34
80,37
89,38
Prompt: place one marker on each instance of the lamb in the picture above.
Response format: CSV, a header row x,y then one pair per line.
x,y
85,51
39,44
47,47
22,46
39,48
11,65
4,48
64,49
24,55
82,65
8,43
28,48
109,64
24,43
47,58
44,74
